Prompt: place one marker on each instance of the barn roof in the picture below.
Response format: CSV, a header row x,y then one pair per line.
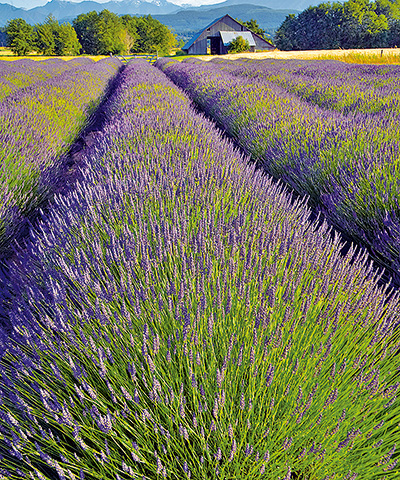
x,y
197,35
227,37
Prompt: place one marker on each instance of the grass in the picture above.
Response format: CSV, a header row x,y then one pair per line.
x,y
367,56
6,54
384,56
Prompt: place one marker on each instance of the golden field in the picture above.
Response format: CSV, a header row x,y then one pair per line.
x,y
372,55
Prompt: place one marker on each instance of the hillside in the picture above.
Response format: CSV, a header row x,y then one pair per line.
x,y
67,11
187,22
274,4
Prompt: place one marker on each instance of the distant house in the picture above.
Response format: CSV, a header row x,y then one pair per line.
x,y
219,34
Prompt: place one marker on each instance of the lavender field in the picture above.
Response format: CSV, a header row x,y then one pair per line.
x,y
177,313
330,130
39,120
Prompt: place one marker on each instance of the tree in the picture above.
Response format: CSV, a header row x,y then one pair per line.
x,y
86,30
55,39
111,32
66,40
151,36
353,24
285,36
102,33
254,27
20,37
46,42
3,37
238,45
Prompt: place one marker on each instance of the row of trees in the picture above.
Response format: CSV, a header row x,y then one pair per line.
x,y
106,32
352,24
49,38
92,34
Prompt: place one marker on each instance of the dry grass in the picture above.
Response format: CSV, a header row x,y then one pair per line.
x,y
372,55
6,54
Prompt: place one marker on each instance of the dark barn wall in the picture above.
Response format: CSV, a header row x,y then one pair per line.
x,y
262,44
226,24
199,47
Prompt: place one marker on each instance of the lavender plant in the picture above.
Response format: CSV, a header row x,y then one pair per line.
x,y
19,74
333,85
346,162
178,316
37,126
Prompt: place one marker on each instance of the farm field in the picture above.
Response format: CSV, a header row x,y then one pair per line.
x,y
328,129
176,313
43,106
7,55
360,56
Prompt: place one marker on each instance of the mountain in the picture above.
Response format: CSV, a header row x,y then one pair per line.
x,y
187,22
67,11
8,12
299,5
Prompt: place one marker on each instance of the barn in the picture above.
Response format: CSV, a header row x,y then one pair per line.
x,y
219,34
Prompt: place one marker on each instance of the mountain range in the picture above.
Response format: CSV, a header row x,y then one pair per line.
x,y
183,19
187,22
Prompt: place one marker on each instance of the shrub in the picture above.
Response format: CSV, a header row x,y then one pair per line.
x,y
238,45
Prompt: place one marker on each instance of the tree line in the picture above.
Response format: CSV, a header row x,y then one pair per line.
x,y
91,33
352,24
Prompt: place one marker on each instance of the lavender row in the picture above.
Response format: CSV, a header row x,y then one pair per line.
x,y
37,126
18,74
330,84
178,316
347,164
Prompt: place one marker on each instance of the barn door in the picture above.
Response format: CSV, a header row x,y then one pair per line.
x,y
215,46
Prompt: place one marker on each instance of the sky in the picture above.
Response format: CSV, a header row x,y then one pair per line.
x,y
36,3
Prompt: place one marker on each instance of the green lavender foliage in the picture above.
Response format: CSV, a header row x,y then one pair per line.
x,y
38,124
23,73
329,130
178,316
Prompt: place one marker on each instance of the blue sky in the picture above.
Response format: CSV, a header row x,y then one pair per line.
x,y
35,3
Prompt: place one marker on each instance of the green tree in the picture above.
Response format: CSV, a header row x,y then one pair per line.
x,y
319,27
238,45
66,40
374,30
150,34
394,34
86,29
102,33
45,33
353,24
55,39
130,24
20,36
254,27
110,33
285,36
